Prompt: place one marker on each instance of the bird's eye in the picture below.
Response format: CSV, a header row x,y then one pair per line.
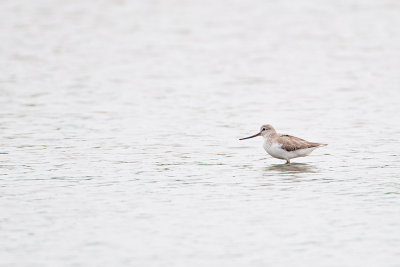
x,y
263,129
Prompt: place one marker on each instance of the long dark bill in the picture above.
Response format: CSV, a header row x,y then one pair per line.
x,y
251,136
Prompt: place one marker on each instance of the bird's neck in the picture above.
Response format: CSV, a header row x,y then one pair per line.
x,y
269,136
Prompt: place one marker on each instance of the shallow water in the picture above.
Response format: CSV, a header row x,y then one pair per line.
x,y
120,121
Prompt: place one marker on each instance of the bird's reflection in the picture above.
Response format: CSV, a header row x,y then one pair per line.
x,y
292,168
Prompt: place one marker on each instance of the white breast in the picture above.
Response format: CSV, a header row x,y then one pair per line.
x,y
275,150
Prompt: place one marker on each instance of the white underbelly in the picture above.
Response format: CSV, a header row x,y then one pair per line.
x,y
276,151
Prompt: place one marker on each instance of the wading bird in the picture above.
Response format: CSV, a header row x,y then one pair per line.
x,y
283,146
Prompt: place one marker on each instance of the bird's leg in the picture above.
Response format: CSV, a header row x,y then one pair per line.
x,y
287,162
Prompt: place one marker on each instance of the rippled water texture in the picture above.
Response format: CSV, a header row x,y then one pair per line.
x,y
120,121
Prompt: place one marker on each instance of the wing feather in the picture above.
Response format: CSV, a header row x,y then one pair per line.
x,y
292,143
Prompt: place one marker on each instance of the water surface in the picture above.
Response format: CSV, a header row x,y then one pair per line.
x,y
120,121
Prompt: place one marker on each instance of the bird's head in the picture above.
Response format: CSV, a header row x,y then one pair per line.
x,y
265,130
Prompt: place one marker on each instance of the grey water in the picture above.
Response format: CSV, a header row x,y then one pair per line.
x,y
120,120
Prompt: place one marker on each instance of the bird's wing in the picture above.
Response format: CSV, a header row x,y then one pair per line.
x,y
292,143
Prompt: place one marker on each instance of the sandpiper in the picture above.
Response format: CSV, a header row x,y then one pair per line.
x,y
283,146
